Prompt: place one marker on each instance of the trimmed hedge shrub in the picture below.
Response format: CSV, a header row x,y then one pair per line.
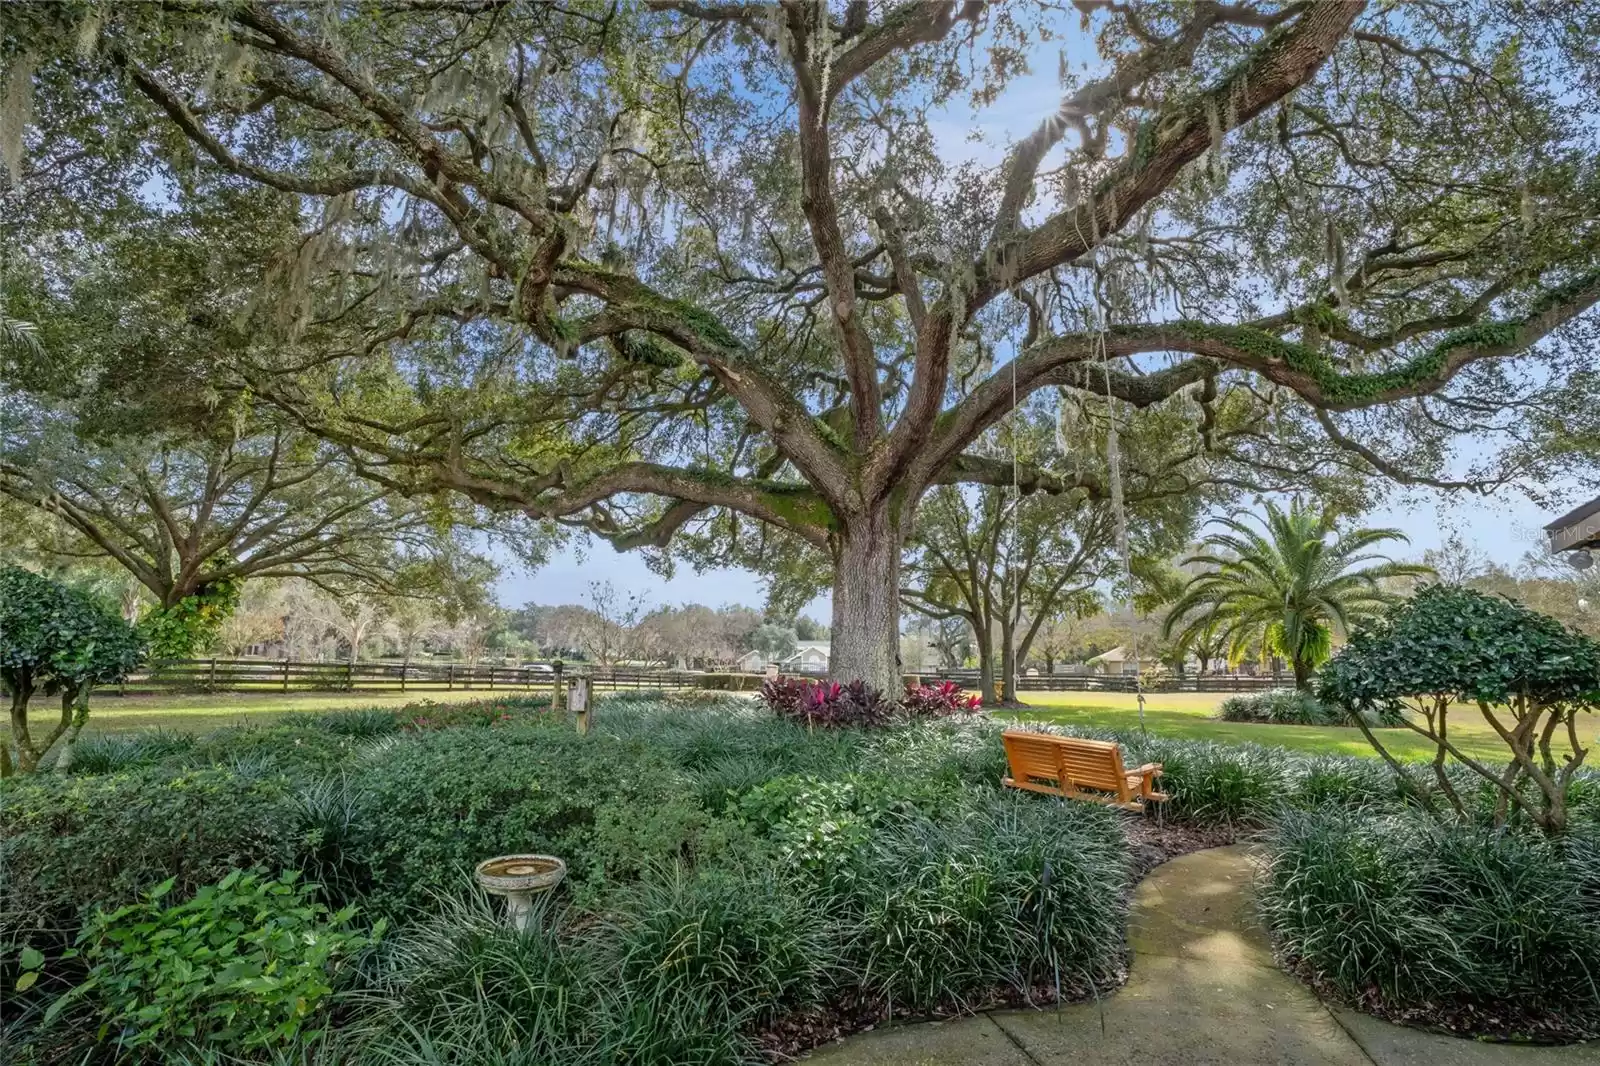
x,y
1293,707
1489,928
72,843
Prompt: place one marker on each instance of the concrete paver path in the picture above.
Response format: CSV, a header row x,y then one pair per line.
x,y
1203,989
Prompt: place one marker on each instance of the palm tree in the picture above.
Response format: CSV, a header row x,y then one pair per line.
x,y
1287,588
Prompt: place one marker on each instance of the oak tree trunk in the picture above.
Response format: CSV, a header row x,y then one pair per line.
x,y
1008,661
865,640
986,673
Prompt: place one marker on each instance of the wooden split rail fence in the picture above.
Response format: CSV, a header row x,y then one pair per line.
x,y
1123,682
288,675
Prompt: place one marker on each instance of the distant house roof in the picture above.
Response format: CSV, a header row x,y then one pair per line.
x,y
1578,528
1119,654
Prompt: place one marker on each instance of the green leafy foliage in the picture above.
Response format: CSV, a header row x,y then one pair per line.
x,y
194,623
1007,893
1455,642
461,986
1494,930
701,958
727,868
108,753
1294,707
1529,675
56,640
436,803
246,964
71,843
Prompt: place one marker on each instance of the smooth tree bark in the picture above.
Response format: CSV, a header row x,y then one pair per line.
x,y
828,351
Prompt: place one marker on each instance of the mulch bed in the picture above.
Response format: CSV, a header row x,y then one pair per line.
x,y
1153,843
1150,844
1501,1023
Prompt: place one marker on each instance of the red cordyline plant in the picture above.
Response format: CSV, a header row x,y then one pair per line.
x,y
827,703
944,700
830,703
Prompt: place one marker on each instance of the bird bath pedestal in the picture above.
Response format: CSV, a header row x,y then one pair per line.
x,y
519,878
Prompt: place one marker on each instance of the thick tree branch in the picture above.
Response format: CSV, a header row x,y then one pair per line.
x,y
1284,60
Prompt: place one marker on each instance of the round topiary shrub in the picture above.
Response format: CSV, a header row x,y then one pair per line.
x,y
1524,673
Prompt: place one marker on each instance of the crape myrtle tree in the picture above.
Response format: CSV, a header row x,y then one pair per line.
x,y
690,268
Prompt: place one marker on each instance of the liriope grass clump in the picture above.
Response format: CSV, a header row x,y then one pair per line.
x,y
1488,929
108,753
700,960
1010,895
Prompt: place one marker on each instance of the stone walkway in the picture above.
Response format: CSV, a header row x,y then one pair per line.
x,y
1203,989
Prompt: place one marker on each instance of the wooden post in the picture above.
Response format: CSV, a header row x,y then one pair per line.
x,y
555,689
286,675
349,675
211,679
578,702
403,676
491,679
450,678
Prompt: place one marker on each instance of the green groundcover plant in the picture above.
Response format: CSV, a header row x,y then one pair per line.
x,y
728,870
244,965
1482,929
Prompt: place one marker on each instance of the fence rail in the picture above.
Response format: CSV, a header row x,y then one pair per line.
x,y
1124,682
288,675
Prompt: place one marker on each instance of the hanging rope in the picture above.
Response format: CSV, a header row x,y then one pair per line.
x,y
1016,510
1119,508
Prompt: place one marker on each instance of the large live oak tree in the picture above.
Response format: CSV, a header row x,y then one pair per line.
x,y
692,267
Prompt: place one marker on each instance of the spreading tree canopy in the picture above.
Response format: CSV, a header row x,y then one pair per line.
x,y
120,430
1006,565
699,269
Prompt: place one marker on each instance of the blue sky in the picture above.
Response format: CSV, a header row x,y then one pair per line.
x,y
1502,527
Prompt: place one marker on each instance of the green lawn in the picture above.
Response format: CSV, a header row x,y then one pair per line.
x,y
210,710
1188,714
1181,714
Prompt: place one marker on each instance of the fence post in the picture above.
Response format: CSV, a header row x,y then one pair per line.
x,y
491,679
403,676
211,676
349,675
450,678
